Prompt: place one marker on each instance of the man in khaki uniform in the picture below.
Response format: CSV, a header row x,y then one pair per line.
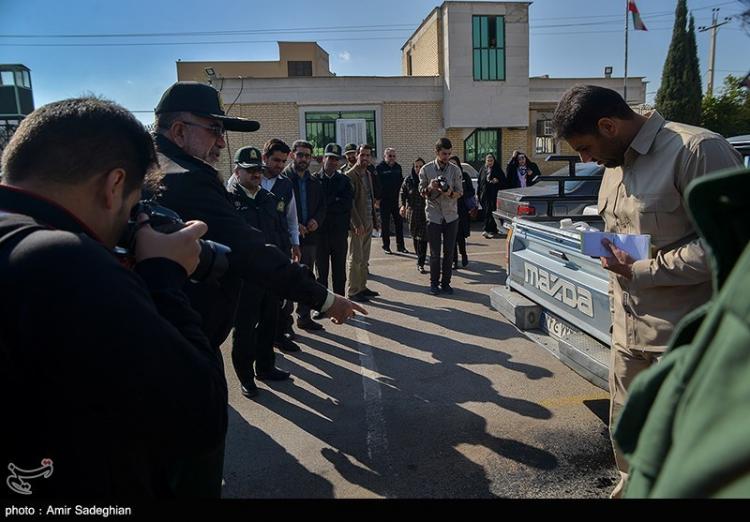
x,y
363,220
649,163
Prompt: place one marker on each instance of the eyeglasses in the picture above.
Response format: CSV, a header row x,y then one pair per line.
x,y
216,130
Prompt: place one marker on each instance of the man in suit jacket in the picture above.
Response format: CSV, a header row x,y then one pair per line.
x,y
311,211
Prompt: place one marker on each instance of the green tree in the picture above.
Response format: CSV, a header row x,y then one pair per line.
x,y
679,95
729,112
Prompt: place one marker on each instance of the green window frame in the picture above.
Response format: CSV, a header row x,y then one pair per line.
x,y
480,143
488,48
320,127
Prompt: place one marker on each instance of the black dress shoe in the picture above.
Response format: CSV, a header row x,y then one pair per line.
x,y
289,334
287,346
455,265
317,316
421,269
249,390
387,250
464,261
434,289
403,250
274,374
309,325
446,289
370,293
359,297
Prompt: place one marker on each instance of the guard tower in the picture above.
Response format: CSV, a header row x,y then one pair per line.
x,y
16,99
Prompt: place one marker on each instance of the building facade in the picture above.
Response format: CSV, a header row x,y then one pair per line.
x,y
465,75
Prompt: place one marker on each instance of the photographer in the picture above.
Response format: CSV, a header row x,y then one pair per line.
x,y
105,371
440,183
191,125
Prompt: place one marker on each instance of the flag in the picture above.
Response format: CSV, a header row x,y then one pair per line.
x,y
638,24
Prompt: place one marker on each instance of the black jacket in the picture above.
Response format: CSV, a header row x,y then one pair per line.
x,y
193,189
390,180
338,195
104,370
264,212
488,191
316,203
533,175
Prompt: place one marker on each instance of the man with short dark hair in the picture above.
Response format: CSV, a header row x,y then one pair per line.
x,y
311,210
441,184
191,124
333,234
106,377
390,178
364,219
258,311
649,163
275,156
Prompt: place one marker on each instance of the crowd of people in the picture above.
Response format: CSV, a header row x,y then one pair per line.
x,y
123,385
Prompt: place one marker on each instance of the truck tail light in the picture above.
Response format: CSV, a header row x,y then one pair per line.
x,y
526,210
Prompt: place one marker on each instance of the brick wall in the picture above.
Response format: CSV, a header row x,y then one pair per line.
x,y
412,129
277,120
512,139
425,55
457,139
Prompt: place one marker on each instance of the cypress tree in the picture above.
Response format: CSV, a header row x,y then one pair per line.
x,y
679,95
692,79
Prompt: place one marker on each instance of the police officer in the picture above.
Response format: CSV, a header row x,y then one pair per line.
x,y
333,234
191,122
258,311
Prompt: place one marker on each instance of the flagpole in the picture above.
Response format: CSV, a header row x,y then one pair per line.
x,y
625,81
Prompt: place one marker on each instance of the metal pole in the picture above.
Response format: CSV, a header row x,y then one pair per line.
x,y
714,27
625,80
712,53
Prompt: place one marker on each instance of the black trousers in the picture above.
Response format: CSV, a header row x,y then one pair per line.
x,y
284,322
388,211
330,258
420,248
489,221
460,247
307,259
254,332
444,233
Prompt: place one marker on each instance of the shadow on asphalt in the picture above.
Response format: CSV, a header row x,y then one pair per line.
x,y
254,458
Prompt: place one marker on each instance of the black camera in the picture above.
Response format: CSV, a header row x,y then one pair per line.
x,y
444,185
213,261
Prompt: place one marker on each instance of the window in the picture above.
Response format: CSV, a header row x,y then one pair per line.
x,y
408,63
299,68
488,44
6,78
544,142
320,127
480,143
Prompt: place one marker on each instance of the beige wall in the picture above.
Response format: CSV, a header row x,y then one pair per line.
x,y
412,129
277,120
288,51
425,49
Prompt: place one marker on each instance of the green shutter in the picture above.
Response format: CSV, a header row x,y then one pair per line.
x,y
500,32
484,40
477,65
501,64
485,64
475,32
493,64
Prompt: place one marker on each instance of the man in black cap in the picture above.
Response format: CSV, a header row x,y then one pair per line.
x,y
350,155
257,313
311,211
334,233
191,122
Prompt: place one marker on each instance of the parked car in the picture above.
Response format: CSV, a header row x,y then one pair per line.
x,y
742,144
535,200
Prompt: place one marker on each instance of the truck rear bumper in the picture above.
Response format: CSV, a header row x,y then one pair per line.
x,y
582,353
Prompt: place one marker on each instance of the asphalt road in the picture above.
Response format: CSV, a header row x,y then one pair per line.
x,y
427,397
